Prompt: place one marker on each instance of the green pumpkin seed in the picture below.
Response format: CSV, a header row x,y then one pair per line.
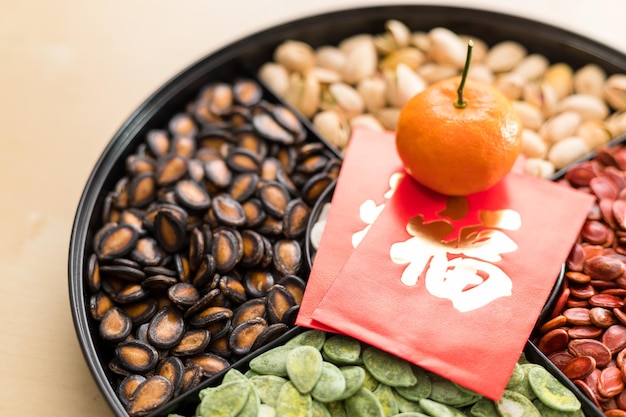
x,y
225,400
370,382
233,375
363,404
315,338
446,392
250,373
272,362
410,414
418,391
384,395
330,385
406,406
292,403
304,367
484,408
435,409
551,392
266,411
517,376
251,408
551,412
388,369
336,409
355,377
514,404
268,387
524,387
342,349
318,409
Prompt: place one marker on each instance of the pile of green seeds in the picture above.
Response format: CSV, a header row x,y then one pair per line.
x,y
319,374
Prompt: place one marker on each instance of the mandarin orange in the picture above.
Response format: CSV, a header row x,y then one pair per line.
x,y
458,149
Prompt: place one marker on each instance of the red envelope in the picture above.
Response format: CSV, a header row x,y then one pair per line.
x,y
455,285
370,161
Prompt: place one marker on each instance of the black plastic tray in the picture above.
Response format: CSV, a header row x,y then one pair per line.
x,y
244,57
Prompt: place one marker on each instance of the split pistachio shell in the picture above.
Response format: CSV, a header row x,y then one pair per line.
x,y
361,60
588,107
511,85
333,127
402,84
533,145
560,126
542,96
398,32
594,133
295,56
432,71
304,367
387,368
325,75
590,80
373,90
615,91
481,72
560,77
539,167
275,76
550,391
304,93
344,99
531,67
409,56
330,57
446,47
567,150
505,56
366,121
531,116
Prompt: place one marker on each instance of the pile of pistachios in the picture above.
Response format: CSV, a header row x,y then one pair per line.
x,y
323,374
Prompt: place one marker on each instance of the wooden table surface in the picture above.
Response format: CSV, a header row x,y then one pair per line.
x,y
70,73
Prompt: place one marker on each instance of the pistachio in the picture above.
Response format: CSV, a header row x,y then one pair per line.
x,y
590,80
615,91
295,56
504,56
446,47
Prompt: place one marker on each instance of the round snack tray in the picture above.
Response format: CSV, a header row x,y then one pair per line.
x,y
242,59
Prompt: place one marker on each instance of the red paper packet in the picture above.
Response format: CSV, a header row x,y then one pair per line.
x,y
369,163
428,305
